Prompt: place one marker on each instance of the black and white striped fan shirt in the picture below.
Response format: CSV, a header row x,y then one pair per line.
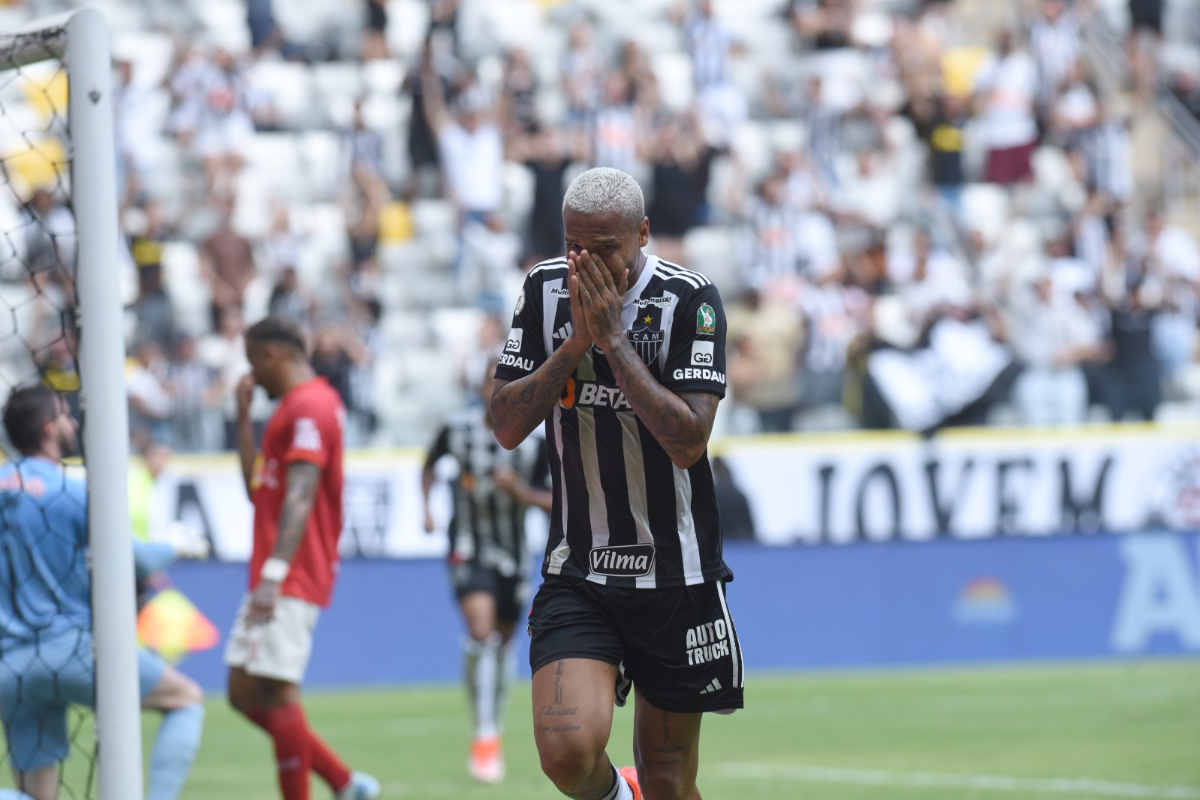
x,y
488,525
624,514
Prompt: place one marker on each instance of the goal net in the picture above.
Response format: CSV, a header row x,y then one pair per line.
x,y
67,641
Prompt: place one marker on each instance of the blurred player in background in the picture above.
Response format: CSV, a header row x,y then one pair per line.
x,y
487,558
295,483
622,355
46,659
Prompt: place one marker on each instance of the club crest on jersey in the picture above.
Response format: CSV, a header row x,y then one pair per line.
x,y
706,320
622,561
645,335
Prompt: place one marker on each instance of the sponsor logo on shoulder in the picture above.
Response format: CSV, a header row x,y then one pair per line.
x,y
706,320
657,302
702,353
509,360
515,338
622,561
520,303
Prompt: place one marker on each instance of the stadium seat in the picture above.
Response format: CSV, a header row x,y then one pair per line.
x,y
383,75
190,295
712,250
408,21
676,86
291,89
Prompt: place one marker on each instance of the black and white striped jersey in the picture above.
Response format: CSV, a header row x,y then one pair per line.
x,y
624,514
488,525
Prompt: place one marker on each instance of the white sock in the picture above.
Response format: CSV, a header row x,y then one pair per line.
x,y
481,675
620,790
506,673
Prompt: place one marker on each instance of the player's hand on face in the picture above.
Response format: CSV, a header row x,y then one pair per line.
x,y
580,334
506,480
245,394
601,295
262,603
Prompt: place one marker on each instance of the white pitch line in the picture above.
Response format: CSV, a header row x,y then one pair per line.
x,y
998,783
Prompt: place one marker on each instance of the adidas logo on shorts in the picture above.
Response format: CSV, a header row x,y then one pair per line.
x,y
712,687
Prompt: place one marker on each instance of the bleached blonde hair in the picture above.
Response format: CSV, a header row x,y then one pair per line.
x,y
604,190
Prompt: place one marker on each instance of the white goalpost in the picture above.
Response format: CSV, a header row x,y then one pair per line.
x,y
81,40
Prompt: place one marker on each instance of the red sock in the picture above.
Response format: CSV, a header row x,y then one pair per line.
x,y
326,763
289,732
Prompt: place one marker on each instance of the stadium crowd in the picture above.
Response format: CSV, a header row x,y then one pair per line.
x,y
909,229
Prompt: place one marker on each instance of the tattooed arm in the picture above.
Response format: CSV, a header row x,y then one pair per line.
x,y
519,406
681,423
302,480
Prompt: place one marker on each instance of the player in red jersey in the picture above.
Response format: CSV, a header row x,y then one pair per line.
x,y
295,483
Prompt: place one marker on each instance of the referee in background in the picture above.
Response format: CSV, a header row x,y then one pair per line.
x,y
488,562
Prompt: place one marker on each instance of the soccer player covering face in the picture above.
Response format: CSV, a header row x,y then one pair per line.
x,y
488,562
622,356
295,483
46,660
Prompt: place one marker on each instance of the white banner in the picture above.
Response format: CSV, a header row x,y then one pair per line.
x,y
968,484
836,488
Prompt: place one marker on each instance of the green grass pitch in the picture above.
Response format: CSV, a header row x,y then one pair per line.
x,y
1034,733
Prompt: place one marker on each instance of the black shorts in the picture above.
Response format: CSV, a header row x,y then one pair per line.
x,y
511,593
678,645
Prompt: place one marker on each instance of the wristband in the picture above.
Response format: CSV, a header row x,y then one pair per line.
x,y
275,570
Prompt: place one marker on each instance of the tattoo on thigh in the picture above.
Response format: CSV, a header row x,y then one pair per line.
x,y
558,684
559,728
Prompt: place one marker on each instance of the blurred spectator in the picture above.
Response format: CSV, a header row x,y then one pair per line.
x,y
150,404
944,133
283,243
737,521
1054,333
224,351
227,263
1185,85
583,73
677,156
1131,381
49,238
153,309
547,152
289,300
224,124
1054,42
765,338
708,44
1007,86
365,319
422,142
374,41
366,149
835,316
823,23
770,251
471,149
59,368
336,349
195,394
617,133
518,114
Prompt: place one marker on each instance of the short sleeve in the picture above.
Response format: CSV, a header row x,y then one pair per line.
x,y
524,350
314,429
696,359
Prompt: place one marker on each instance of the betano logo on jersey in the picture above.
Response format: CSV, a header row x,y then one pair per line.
x,y
589,394
622,561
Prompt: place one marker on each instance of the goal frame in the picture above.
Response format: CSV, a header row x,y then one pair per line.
x,y
81,40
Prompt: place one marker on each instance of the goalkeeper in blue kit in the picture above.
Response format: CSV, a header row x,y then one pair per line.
x,y
46,659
